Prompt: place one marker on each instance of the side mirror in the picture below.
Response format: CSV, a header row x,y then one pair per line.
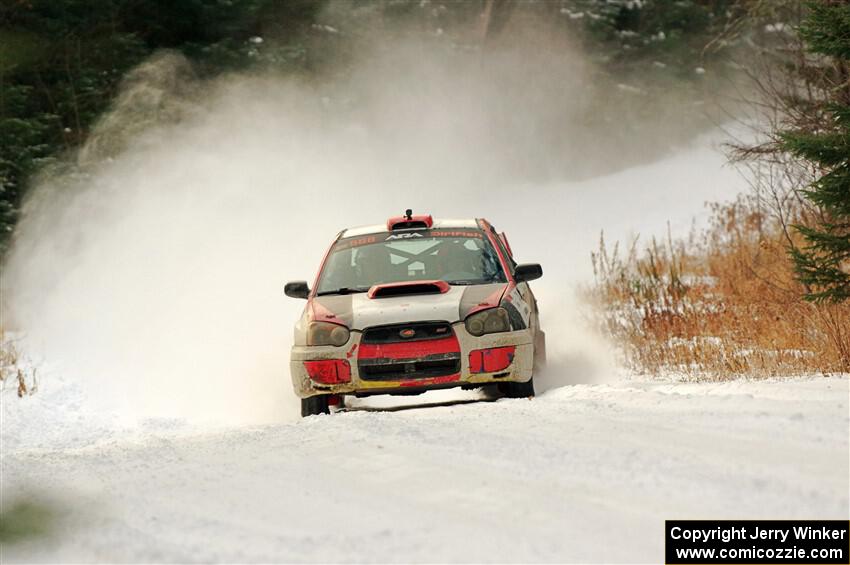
x,y
297,289
527,272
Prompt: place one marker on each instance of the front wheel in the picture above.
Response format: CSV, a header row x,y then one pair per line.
x,y
315,405
517,390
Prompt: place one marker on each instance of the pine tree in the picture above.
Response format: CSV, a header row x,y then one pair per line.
x,y
823,262
61,62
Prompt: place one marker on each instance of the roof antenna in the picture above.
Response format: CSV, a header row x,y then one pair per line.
x,y
408,214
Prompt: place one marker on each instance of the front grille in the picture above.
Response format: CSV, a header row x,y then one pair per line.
x,y
419,350
392,369
392,333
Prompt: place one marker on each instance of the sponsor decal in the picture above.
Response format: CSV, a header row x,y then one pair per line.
x,y
404,235
356,242
521,306
444,233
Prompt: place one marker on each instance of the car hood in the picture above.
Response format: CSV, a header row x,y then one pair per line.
x,y
358,311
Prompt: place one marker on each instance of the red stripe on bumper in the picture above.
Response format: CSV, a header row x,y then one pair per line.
x,y
409,349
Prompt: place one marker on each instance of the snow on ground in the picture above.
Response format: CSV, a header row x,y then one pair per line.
x,y
584,473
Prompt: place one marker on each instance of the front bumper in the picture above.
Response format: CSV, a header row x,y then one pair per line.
x,y
519,370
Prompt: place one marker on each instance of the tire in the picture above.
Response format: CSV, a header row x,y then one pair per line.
x,y
314,405
518,390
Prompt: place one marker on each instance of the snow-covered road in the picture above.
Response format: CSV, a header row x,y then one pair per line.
x,y
583,473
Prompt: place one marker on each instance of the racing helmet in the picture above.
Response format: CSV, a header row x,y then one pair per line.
x,y
372,263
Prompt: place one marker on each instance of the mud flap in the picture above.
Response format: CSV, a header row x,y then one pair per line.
x,y
315,405
539,351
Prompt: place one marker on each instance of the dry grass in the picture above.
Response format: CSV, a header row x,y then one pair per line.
x,y
720,305
13,370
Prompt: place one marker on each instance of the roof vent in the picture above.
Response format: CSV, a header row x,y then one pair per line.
x,y
410,222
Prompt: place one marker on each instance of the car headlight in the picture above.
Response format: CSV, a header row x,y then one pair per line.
x,y
490,321
326,333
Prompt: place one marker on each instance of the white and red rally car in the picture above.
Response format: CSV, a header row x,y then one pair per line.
x,y
412,305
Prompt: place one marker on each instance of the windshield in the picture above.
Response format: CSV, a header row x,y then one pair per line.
x,y
455,256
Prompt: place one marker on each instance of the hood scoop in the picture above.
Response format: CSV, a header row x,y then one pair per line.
x,y
408,288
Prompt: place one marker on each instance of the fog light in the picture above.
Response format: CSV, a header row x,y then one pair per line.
x,y
329,371
491,360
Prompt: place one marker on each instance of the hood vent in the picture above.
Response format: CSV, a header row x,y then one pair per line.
x,y
408,288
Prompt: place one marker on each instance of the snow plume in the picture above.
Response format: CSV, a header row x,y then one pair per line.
x,y
150,273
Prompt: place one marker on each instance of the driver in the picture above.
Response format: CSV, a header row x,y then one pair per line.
x,y
455,260
372,264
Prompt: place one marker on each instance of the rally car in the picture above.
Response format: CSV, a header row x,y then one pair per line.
x,y
412,305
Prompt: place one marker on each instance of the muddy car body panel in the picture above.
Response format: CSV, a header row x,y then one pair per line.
x,y
415,305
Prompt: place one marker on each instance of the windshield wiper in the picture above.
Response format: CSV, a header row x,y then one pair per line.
x,y
343,290
489,280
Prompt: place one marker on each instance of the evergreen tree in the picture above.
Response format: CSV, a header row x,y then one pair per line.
x,y
823,262
61,62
